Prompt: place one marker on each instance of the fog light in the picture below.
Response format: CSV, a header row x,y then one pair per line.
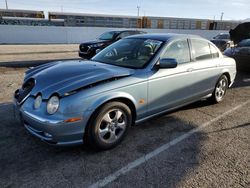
x,y
47,135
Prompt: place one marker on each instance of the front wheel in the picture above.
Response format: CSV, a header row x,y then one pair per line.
x,y
109,125
220,89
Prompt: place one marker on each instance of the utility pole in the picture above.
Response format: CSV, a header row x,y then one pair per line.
x,y
138,10
222,14
138,16
6,4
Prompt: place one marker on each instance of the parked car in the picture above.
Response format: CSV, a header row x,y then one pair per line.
x,y
241,32
139,77
241,52
88,49
222,41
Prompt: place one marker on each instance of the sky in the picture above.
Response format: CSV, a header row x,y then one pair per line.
x,y
205,9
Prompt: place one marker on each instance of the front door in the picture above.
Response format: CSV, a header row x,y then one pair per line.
x,y
172,87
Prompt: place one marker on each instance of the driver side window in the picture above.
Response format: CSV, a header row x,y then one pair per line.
x,y
178,50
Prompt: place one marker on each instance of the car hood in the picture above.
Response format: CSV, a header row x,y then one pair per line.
x,y
220,40
94,42
241,32
64,77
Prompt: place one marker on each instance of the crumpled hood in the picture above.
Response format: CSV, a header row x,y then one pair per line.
x,y
63,77
241,32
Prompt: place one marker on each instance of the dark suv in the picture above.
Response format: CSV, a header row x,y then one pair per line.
x,y
88,49
222,41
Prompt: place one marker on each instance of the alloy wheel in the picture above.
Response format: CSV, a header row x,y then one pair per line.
x,y
112,126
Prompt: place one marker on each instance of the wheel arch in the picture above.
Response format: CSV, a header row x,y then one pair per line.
x,y
124,100
228,77
117,97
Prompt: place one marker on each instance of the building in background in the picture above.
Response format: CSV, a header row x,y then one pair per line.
x,y
27,17
21,13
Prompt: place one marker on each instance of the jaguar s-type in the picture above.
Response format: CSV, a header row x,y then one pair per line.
x,y
96,101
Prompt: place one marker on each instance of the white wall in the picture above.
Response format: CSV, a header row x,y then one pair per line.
x,y
10,34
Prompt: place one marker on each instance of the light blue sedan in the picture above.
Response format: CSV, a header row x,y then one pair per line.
x,y
132,80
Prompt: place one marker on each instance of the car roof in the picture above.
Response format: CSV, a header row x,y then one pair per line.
x,y
120,31
163,37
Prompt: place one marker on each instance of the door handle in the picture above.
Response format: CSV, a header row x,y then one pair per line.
x,y
190,69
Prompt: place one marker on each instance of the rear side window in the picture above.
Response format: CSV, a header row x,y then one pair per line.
x,y
178,50
201,49
214,51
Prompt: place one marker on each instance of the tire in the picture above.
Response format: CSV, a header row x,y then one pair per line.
x,y
220,90
108,126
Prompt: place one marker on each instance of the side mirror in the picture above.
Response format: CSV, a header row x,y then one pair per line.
x,y
167,63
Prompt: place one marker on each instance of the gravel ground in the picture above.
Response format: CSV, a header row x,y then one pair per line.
x,y
6,49
19,53
10,80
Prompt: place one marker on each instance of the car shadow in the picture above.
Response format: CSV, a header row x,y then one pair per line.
x,y
29,162
231,128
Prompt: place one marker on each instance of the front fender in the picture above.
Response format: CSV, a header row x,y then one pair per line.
x,y
111,96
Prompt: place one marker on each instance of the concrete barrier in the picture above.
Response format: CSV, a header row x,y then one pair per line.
x,y
17,34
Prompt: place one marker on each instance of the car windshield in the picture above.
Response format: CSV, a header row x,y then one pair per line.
x,y
222,36
107,35
130,52
244,43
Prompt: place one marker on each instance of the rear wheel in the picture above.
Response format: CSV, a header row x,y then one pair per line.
x,y
220,89
109,125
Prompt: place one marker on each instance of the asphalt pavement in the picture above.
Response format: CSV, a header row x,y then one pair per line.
x,y
200,145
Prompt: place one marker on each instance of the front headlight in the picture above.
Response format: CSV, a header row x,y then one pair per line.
x,y
96,45
38,102
53,104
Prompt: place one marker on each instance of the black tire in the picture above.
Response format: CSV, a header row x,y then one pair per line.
x,y
98,126
220,90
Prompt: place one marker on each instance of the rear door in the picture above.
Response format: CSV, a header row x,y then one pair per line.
x,y
205,66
